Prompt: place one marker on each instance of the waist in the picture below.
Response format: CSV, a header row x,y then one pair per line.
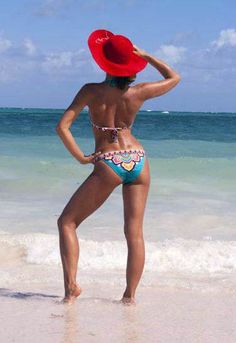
x,y
109,154
125,142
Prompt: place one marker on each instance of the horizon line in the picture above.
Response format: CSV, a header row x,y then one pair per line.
x,y
85,110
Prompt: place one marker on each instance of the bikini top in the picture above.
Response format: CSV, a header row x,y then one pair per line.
x,y
114,130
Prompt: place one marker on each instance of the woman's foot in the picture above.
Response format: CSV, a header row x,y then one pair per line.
x,y
72,293
128,301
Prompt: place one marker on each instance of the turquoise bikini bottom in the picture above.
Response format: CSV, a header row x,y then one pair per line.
x,y
128,164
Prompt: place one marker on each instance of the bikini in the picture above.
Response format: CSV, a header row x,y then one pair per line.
x,y
128,164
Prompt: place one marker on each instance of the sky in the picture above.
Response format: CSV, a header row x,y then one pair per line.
x,y
45,60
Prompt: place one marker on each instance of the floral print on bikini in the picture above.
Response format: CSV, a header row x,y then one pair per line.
x,y
127,159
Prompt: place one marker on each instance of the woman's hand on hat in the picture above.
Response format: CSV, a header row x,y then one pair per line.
x,y
139,52
90,158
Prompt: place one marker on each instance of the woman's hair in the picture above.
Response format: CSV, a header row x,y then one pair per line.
x,y
122,81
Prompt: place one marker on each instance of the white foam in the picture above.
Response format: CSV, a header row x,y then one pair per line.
x,y
170,256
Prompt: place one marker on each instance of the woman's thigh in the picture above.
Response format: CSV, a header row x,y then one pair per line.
x,y
90,195
134,200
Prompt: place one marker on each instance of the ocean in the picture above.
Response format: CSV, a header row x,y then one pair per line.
x,y
190,219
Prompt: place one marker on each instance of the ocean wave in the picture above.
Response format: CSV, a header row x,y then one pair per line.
x,y
179,256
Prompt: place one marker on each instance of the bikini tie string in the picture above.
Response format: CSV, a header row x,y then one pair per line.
x,y
114,135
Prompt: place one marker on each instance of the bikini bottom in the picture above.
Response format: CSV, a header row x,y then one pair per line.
x,y
128,164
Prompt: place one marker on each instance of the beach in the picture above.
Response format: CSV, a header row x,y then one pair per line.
x,y
188,289
161,315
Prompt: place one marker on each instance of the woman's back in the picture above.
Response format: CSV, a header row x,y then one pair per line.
x,y
111,107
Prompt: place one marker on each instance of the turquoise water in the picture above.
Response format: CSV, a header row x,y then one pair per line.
x,y
191,204
154,125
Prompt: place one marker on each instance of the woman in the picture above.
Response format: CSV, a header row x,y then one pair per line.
x,y
119,158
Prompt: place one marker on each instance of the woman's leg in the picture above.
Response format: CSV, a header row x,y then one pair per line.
x,y
88,197
134,197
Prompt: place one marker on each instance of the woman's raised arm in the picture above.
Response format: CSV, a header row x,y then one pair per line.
x,y
149,90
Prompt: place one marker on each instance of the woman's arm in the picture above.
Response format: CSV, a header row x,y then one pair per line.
x,y
149,90
63,127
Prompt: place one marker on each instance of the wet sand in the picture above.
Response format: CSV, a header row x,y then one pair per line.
x,y
35,313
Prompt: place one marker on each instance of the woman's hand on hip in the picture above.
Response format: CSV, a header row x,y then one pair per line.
x,y
90,158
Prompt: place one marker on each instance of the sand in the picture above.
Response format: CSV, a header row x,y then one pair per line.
x,y
35,314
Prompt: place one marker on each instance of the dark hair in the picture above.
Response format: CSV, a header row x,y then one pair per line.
x,y
122,81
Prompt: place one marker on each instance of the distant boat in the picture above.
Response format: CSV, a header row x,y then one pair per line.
x,y
149,110
165,112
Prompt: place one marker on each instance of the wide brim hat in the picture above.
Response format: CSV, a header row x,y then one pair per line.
x,y
114,53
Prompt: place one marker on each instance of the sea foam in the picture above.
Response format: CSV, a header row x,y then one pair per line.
x,y
171,255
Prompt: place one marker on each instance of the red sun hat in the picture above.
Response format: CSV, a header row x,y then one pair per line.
x,y
114,53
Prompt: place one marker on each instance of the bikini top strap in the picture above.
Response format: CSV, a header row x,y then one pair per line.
x,y
105,128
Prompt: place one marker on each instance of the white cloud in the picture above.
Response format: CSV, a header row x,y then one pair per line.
x,y
63,61
24,59
171,53
58,60
5,44
12,69
226,38
29,46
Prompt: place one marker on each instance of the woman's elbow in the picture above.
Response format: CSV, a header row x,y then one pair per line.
x,y
59,129
177,78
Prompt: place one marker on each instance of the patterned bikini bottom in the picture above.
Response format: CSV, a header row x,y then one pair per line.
x,y
128,164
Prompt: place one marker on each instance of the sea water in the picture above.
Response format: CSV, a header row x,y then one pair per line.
x,y
190,219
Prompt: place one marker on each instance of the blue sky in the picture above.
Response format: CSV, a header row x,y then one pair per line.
x,y
44,58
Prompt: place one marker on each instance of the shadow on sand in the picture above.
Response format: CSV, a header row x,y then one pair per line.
x,y
5,292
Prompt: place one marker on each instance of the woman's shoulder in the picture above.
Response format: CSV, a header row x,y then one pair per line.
x,y
91,86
